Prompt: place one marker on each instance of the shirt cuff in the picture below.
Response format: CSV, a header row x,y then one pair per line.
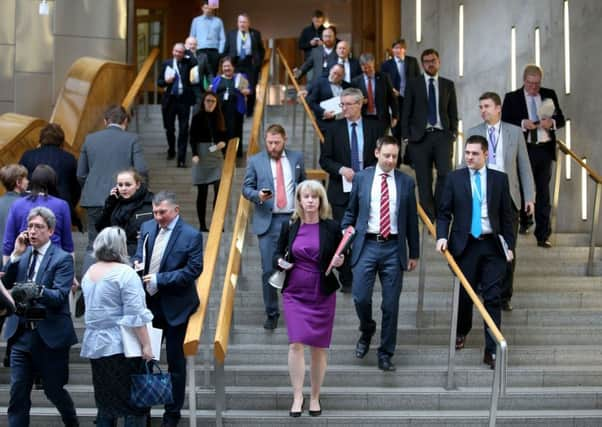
x,y
14,258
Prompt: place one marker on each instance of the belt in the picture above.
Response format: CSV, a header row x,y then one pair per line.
x,y
208,49
433,129
380,238
482,236
537,142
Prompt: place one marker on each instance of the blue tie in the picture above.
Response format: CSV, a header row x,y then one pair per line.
x,y
475,227
175,90
533,117
432,117
355,151
492,145
402,77
243,51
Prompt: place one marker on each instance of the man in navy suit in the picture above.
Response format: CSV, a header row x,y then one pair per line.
x,y
326,88
521,108
40,347
269,183
382,208
170,256
478,200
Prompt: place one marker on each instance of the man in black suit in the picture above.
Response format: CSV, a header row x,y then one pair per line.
x,y
40,343
203,68
378,92
348,148
350,65
177,99
64,164
478,200
326,88
429,123
170,256
245,47
522,108
319,58
311,36
401,69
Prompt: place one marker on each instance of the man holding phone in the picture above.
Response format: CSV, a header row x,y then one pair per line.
x,y
270,182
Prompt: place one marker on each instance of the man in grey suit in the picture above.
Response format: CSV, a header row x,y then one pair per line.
x,y
103,154
320,57
270,182
507,153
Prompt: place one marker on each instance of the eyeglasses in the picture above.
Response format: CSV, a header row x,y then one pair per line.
x,y
348,104
210,101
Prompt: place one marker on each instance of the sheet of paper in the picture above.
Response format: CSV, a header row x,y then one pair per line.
x,y
169,73
347,185
332,104
131,345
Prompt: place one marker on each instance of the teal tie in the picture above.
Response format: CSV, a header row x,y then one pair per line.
x,y
475,228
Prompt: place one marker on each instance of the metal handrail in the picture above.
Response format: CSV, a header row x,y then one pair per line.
x,y
593,175
499,377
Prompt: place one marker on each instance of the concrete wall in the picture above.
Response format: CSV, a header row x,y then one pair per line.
x,y
487,26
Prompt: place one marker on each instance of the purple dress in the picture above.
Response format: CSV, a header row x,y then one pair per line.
x,y
309,313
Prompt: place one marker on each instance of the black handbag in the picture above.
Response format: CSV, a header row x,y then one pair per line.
x,y
151,389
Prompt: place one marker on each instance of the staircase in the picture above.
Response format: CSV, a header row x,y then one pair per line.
x,y
554,339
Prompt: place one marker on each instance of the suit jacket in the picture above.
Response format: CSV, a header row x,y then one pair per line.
x,y
316,62
336,153
184,66
257,49
514,110
103,154
181,265
205,72
411,68
456,202
358,214
258,176
516,161
384,99
330,235
64,165
354,66
321,91
55,273
415,108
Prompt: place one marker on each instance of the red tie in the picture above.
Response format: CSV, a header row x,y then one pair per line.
x,y
280,190
371,109
385,219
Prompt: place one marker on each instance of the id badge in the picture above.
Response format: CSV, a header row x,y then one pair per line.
x,y
226,95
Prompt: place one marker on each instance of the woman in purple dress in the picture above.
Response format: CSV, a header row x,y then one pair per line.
x,y
305,248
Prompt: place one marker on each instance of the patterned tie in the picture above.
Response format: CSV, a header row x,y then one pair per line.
x,y
475,227
243,50
385,219
355,151
432,114
371,107
280,188
158,249
402,77
533,117
32,266
492,145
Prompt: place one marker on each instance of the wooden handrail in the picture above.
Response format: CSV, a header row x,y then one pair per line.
x,y
566,150
224,318
467,287
130,98
194,330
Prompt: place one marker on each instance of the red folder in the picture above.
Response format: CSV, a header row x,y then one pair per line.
x,y
344,245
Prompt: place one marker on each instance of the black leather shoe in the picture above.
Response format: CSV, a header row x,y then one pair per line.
x,y
506,306
489,359
385,364
297,414
317,412
524,229
460,341
362,347
544,244
271,323
181,164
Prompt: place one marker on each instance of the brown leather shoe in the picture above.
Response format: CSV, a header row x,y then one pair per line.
x,y
489,359
460,340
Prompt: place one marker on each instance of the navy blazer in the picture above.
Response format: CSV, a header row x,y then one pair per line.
x,y
258,176
411,68
55,273
514,110
330,236
456,202
384,98
321,91
181,265
257,48
358,213
184,67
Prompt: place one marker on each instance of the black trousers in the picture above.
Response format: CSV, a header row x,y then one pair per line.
x,y
508,284
212,58
175,107
201,201
541,165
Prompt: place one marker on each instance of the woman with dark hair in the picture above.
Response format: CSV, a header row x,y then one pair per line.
x,y
14,179
232,89
128,205
43,192
207,139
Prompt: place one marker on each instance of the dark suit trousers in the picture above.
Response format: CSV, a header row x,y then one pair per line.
x,y
508,284
396,131
435,148
484,266
345,274
541,165
174,107
381,258
29,357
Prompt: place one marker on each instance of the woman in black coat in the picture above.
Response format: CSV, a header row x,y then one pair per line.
x,y
128,205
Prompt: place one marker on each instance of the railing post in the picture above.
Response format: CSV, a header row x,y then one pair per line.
x,y
499,381
303,132
451,381
190,367
556,194
155,76
421,278
594,230
220,392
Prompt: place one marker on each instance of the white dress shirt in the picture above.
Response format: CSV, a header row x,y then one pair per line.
x,y
374,217
289,184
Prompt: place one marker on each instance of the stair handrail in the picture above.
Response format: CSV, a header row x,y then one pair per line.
x,y
224,319
130,99
597,179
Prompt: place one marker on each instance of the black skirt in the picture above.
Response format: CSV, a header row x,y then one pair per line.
x,y
111,377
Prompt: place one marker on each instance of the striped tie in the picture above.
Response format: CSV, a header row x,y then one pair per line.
x,y
158,249
385,219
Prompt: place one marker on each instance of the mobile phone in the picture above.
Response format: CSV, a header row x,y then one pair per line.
x,y
266,191
285,264
26,238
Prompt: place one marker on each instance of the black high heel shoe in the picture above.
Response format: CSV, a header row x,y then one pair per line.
x,y
316,413
296,414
